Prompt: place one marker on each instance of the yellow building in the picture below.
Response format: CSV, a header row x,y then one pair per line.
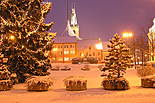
x,y
63,52
93,52
95,49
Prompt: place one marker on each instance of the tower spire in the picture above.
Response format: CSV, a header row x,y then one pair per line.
x,y
72,23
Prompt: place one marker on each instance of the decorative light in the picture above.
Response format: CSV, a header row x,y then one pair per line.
x,y
12,37
22,46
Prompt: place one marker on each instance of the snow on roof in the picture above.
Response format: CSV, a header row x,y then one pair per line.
x,y
42,79
82,44
75,78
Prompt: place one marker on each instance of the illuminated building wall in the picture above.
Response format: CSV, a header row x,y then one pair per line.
x,y
63,52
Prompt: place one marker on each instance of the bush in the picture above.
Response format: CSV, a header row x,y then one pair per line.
x,y
145,71
39,83
92,60
76,60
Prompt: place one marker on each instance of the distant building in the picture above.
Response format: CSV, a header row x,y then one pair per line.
x,y
63,52
89,49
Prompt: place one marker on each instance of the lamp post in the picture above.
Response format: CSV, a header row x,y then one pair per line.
x,y
99,46
130,35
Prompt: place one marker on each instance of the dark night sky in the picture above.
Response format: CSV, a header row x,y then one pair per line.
x,y
103,18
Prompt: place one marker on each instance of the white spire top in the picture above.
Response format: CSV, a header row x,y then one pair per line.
x,y
73,17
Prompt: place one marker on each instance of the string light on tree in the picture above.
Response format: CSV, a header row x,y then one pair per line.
x,y
26,37
12,37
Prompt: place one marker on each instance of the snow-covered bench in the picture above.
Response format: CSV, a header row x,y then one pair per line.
x,y
39,83
75,83
5,85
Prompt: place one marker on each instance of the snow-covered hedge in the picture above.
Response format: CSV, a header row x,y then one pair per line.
x,y
5,85
115,84
148,81
73,83
145,71
39,83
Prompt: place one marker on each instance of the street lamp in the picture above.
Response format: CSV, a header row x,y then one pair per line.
x,y
99,46
130,35
127,34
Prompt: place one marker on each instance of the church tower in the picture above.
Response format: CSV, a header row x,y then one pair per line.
x,y
72,24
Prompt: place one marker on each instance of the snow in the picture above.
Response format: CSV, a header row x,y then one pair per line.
x,y
40,79
93,94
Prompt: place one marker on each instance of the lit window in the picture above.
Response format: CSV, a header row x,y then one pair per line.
x,y
66,52
55,49
72,52
81,54
66,59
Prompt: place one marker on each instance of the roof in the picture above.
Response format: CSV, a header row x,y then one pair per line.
x,y
81,44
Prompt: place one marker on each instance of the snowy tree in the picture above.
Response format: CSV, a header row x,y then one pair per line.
x,y
5,76
4,73
25,37
118,60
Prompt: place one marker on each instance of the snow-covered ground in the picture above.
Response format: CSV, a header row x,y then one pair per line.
x,y
94,93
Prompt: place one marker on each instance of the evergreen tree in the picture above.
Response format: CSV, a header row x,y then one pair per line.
x,y
118,60
25,37
4,73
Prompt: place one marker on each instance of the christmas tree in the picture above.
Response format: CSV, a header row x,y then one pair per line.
x,y
25,36
118,60
116,63
5,75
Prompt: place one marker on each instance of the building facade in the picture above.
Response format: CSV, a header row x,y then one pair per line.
x,y
63,52
91,51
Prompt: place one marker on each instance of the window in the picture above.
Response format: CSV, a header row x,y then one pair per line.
x,y
66,52
58,46
61,53
72,52
89,48
66,59
65,46
70,46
